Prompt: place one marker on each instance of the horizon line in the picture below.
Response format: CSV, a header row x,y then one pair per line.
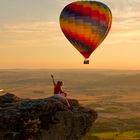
x,y
70,69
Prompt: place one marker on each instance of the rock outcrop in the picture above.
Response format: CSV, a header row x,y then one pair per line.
x,y
43,119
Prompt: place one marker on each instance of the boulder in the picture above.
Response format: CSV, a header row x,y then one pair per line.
x,y
43,119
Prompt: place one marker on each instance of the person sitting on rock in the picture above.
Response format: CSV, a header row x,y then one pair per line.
x,y
58,93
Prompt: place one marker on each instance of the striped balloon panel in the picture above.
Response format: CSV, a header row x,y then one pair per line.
x,y
85,24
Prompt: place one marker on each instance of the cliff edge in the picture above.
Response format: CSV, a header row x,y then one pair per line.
x,y
43,119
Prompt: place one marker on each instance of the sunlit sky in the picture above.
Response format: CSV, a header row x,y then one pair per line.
x,y
30,36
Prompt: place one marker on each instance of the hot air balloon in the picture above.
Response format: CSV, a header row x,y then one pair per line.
x,y
85,24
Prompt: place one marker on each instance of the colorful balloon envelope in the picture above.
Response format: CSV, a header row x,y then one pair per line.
x,y
85,24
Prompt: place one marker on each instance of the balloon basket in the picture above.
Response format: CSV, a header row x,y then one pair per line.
x,y
86,61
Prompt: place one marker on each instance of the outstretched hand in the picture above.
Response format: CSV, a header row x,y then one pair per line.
x,y
65,94
52,76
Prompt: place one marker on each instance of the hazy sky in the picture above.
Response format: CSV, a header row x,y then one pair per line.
x,y
30,36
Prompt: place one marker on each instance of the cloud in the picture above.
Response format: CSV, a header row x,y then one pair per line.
x,y
63,2
125,27
30,33
28,27
126,21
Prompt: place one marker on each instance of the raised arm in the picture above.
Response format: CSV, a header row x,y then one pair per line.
x,y
53,79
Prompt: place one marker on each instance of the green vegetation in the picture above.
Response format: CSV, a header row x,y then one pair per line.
x,y
115,129
30,128
114,135
116,125
135,135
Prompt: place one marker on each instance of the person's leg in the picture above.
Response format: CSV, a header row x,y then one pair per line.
x,y
67,102
63,99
